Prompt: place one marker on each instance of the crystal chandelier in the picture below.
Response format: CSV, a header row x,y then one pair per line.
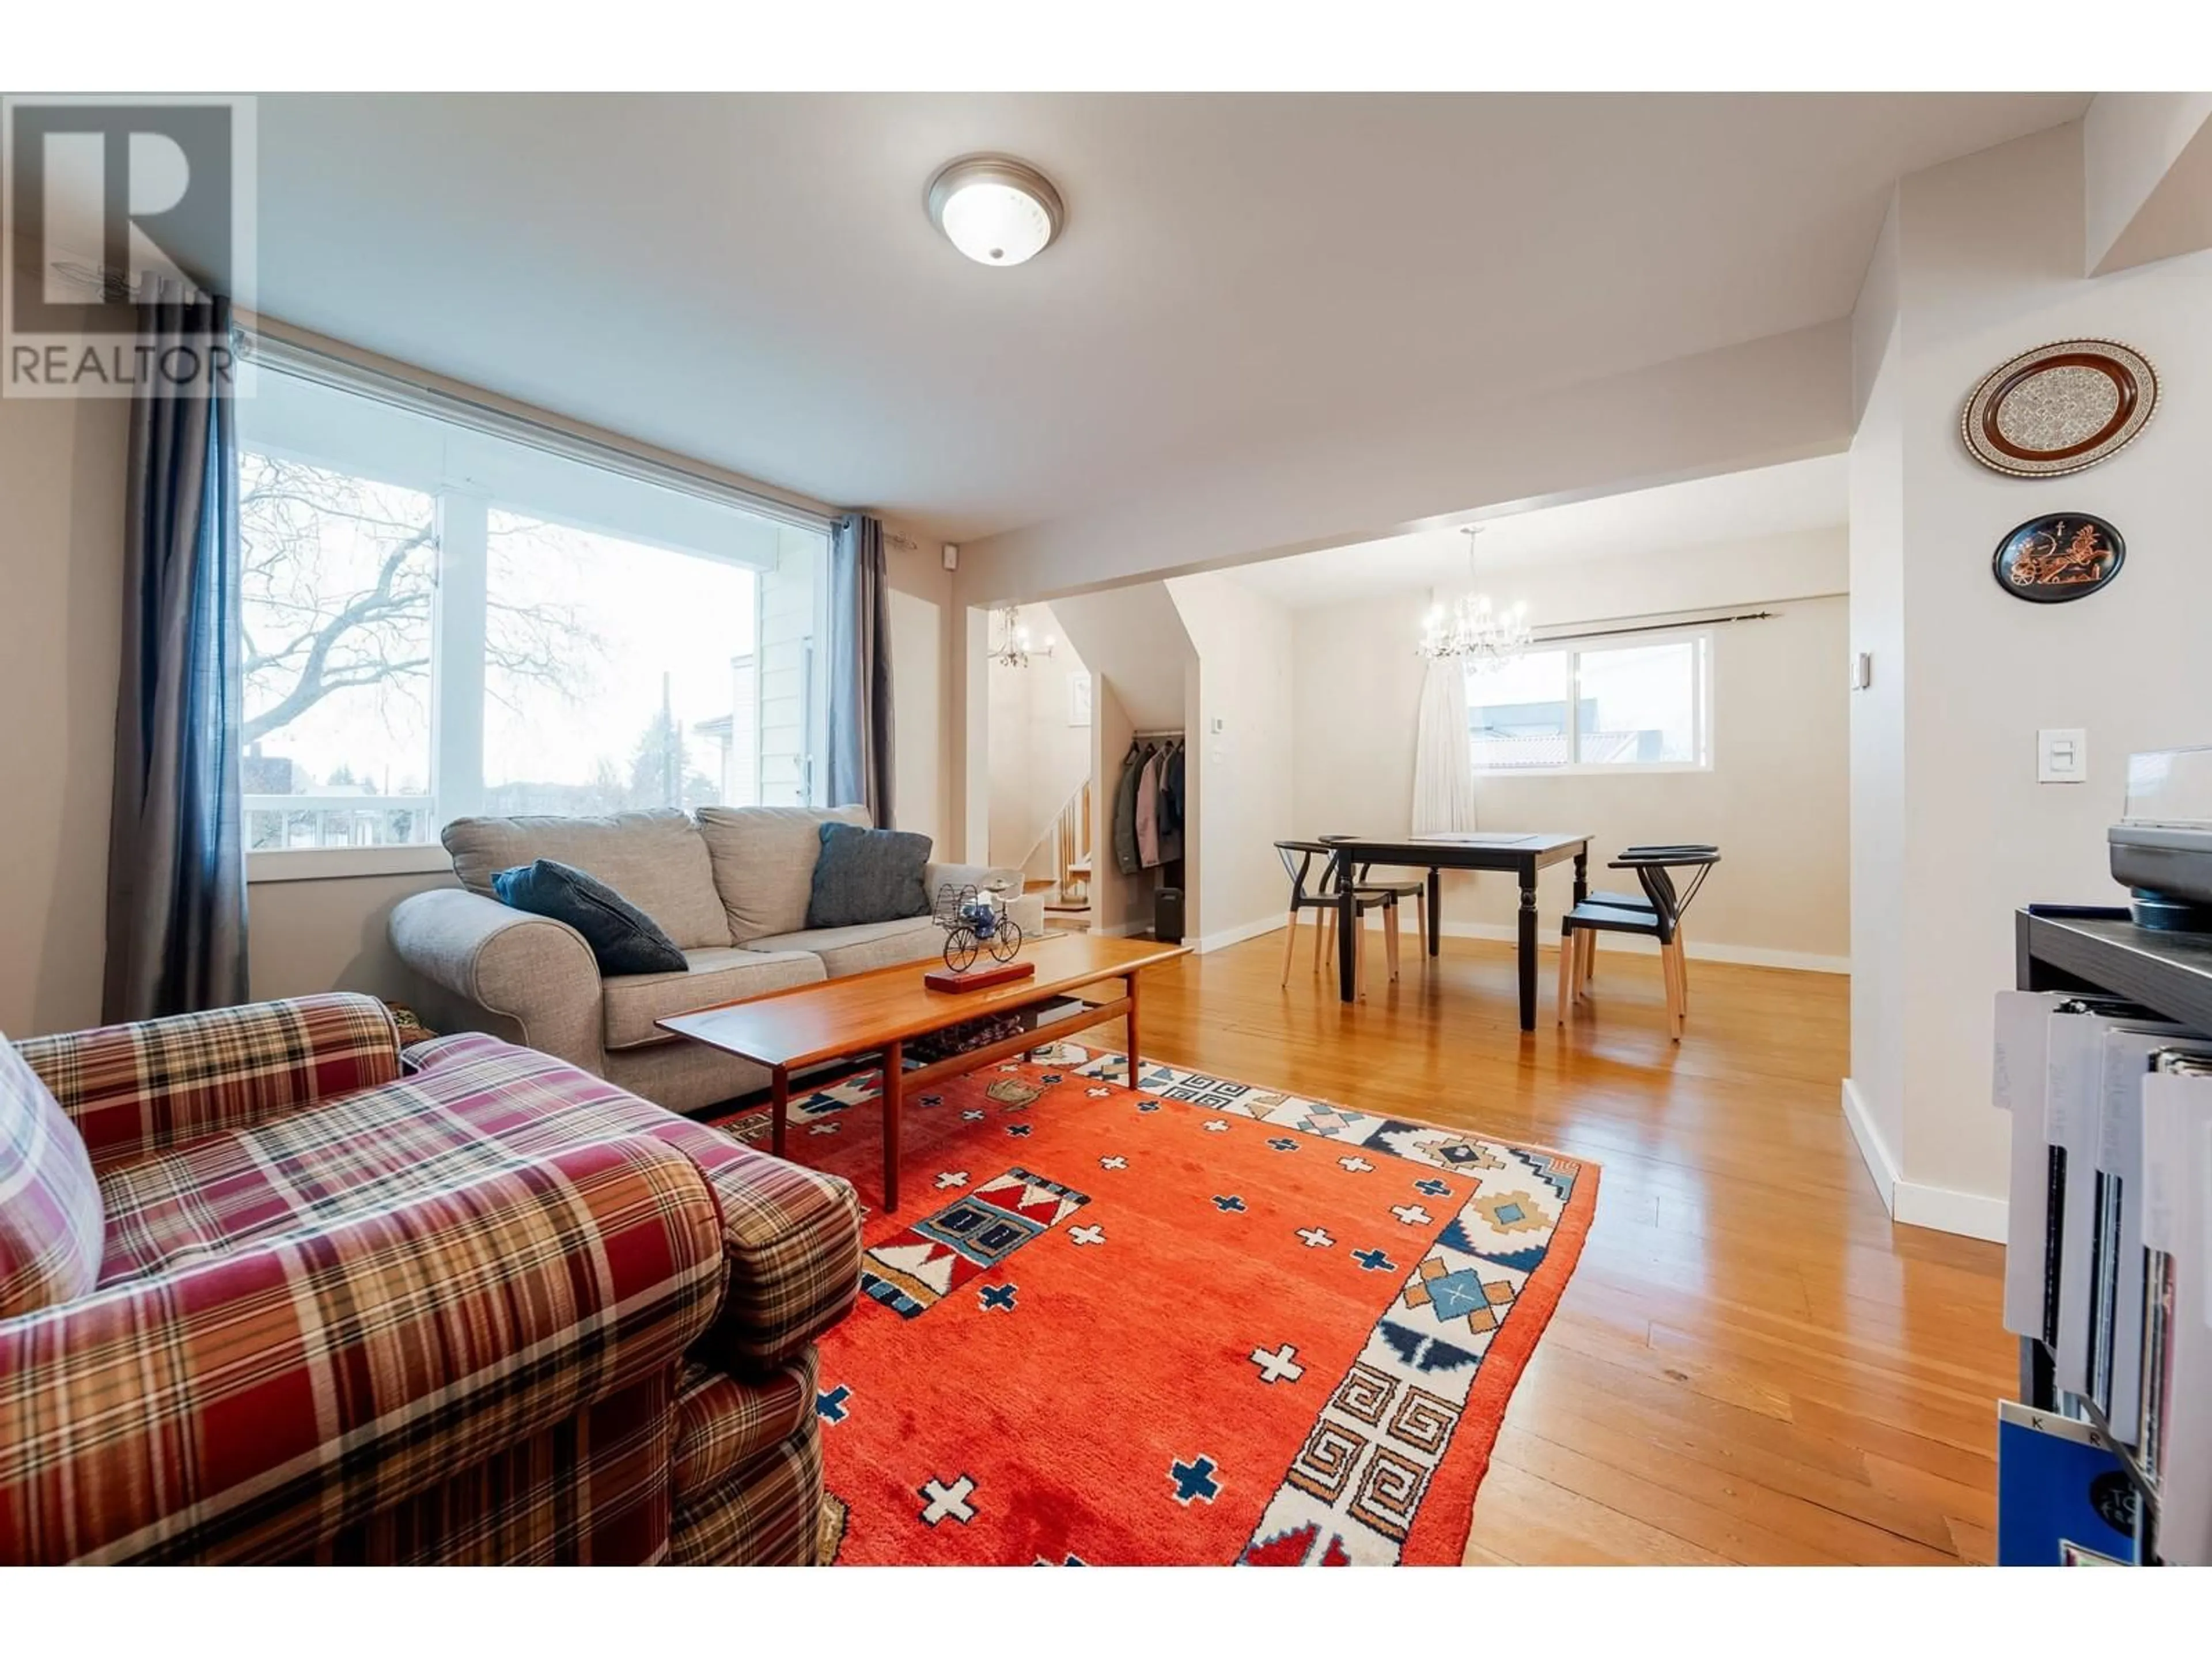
x,y
1471,629
1015,646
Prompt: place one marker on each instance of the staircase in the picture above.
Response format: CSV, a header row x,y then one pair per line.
x,y
1070,904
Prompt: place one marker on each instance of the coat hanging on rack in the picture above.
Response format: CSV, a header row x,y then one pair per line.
x,y
1148,809
1170,803
1125,812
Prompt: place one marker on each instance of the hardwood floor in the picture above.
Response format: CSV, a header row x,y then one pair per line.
x,y
1751,1363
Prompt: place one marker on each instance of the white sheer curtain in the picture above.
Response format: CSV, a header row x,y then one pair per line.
x,y
1443,770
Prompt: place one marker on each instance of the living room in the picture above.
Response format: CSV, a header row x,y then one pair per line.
x,y
669,866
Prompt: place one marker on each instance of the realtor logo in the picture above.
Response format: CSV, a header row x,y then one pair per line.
x,y
113,204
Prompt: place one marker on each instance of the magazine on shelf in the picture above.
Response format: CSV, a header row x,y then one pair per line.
x,y
2080,1028
2116,1303
2018,1074
2175,1429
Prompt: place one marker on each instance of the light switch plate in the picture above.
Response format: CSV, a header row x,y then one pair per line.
x,y
2061,755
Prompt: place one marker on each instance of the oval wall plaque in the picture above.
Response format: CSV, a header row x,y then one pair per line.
x,y
2059,408
2058,557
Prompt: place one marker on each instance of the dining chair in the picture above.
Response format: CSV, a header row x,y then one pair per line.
x,y
1660,919
1417,889
1637,900
1309,893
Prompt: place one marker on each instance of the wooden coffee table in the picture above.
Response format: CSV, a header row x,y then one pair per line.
x,y
868,1018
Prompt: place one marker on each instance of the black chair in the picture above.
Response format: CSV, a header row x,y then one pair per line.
x,y
1660,918
1637,900
1416,888
1308,893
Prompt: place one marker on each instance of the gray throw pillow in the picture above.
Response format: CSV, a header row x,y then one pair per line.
x,y
868,875
622,938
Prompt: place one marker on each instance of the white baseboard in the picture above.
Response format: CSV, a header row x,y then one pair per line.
x,y
1910,1202
1547,937
1880,1162
1948,1211
1238,935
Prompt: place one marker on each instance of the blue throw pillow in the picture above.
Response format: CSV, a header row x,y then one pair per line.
x,y
868,875
622,938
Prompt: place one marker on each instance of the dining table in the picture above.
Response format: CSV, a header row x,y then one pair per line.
x,y
1520,852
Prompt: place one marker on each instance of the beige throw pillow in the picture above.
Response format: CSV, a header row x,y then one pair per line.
x,y
763,862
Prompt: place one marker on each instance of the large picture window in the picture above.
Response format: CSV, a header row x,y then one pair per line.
x,y
1591,707
440,620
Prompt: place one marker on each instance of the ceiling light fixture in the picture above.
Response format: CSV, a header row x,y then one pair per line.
x,y
1015,646
995,209
1471,629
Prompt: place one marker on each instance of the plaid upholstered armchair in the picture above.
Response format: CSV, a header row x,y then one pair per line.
x,y
263,1298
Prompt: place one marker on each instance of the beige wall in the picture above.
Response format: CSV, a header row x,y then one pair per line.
x,y
330,935
61,573
924,649
1776,800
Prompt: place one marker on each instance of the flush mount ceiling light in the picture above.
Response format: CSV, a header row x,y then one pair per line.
x,y
996,210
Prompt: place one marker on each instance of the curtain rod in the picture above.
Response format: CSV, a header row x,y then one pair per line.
x,y
1569,632
330,369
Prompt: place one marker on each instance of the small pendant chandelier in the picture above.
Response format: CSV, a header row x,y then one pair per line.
x,y
1015,646
1472,630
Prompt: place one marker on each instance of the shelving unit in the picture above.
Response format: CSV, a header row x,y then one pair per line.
x,y
2094,949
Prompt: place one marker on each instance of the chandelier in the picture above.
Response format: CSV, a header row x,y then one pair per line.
x,y
1471,629
1015,646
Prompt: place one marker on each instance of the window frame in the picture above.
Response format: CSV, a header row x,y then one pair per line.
x,y
1576,646
459,608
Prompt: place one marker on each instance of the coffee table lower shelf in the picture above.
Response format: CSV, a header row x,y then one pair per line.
x,y
865,1021
899,1080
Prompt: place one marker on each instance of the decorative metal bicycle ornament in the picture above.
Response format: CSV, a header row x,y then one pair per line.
x,y
974,920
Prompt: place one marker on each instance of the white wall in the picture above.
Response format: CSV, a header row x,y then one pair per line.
x,y
1877,750
1038,760
1775,802
1239,757
1120,904
1989,251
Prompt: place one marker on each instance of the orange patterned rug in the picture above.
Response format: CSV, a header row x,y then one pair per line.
x,y
1195,1322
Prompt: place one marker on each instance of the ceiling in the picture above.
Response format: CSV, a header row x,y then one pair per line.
x,y
1736,507
751,279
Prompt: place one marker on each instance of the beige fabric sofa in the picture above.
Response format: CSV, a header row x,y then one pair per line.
x,y
729,886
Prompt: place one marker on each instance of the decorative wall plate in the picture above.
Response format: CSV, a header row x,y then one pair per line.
x,y
2058,557
2059,408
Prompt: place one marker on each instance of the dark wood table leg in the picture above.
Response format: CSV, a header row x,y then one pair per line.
x,y
1582,892
1528,947
894,1063
778,1107
1132,983
1347,941
1436,909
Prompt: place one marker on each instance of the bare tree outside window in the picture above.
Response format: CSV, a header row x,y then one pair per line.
x,y
609,665
338,574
